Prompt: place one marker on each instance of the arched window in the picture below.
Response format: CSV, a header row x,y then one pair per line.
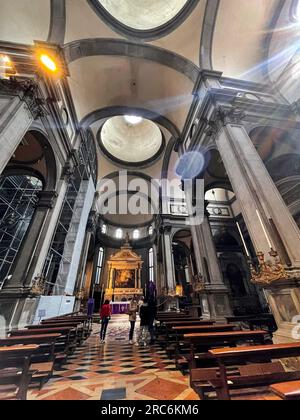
x,y
18,197
151,265
136,234
99,266
150,231
119,233
104,229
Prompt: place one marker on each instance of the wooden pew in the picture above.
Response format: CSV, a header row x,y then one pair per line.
x,y
78,326
259,321
42,362
164,330
86,321
257,367
182,348
65,345
80,329
194,322
288,391
70,315
15,373
201,343
167,327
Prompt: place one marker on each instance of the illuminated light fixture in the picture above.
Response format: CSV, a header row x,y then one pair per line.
x,y
133,119
7,68
48,62
6,59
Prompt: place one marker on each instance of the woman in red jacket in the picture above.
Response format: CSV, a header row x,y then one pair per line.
x,y
105,316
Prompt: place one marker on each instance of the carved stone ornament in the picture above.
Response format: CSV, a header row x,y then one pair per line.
x,y
80,294
198,283
28,91
232,115
38,286
270,271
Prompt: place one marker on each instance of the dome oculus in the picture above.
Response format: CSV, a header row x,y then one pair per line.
x,y
143,19
131,140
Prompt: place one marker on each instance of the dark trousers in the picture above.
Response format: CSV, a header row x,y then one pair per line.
x,y
104,326
132,327
151,329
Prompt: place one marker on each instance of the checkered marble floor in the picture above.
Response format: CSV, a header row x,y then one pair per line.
x,y
116,371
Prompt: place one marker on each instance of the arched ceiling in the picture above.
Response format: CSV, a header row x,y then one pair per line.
x,y
97,83
142,68
240,33
23,21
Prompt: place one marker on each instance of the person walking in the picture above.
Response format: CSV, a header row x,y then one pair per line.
x,y
105,316
132,312
144,328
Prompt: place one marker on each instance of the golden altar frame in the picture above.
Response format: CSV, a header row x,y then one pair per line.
x,y
124,278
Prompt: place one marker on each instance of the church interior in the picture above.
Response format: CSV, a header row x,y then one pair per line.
x,y
149,200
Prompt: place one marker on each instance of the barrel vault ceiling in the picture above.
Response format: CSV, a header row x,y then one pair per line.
x,y
131,62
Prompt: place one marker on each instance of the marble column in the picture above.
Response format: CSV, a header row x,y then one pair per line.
x,y
111,278
256,191
260,199
169,261
215,296
139,278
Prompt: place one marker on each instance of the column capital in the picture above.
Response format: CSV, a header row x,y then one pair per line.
x,y
222,117
230,115
166,229
47,199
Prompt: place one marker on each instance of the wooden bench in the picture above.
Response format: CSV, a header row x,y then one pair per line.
x,y
77,326
257,367
182,347
81,333
165,330
65,345
15,373
87,320
259,321
171,324
87,323
42,362
288,391
201,343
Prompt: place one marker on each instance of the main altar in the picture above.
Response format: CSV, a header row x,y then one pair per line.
x,y
124,278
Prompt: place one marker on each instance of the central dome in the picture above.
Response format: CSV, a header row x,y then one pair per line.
x,y
131,140
143,14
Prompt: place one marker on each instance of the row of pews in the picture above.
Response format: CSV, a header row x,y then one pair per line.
x,y
29,356
226,362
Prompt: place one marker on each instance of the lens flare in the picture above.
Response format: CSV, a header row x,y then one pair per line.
x,y
190,165
48,62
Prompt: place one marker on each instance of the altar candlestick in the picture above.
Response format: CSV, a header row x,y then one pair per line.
x,y
243,240
264,229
